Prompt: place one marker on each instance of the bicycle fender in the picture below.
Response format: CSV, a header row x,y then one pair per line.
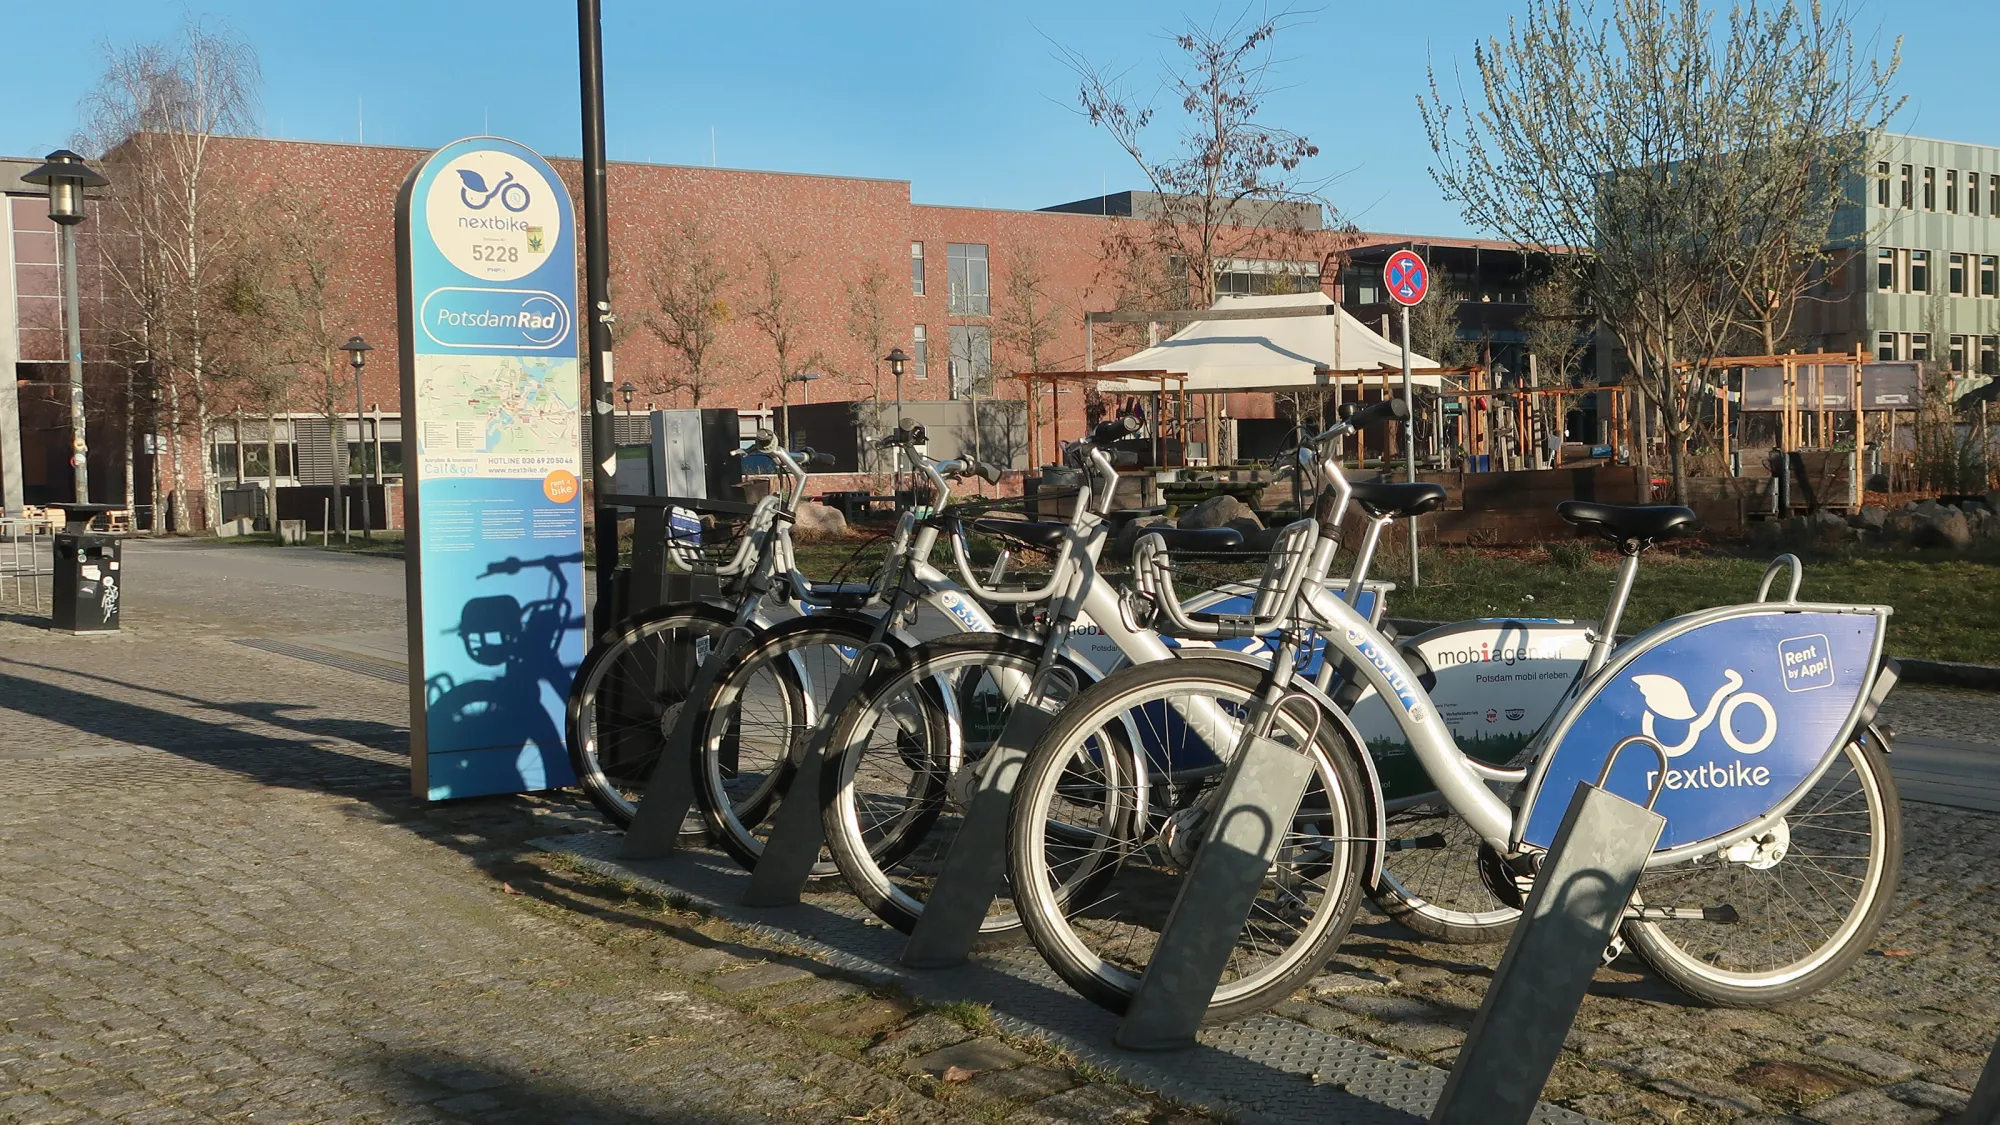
x,y
1377,814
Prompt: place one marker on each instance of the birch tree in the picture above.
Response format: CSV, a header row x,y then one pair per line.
x,y
1687,148
174,223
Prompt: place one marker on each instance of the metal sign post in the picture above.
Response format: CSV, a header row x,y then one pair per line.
x,y
1581,890
1408,281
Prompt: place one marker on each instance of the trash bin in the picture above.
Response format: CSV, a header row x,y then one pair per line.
x,y
88,578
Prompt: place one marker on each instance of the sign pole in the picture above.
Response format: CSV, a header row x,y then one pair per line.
x,y
1410,440
597,297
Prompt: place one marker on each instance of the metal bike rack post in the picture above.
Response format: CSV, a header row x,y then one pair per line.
x,y
1985,1106
1580,895
656,825
975,867
797,830
1259,793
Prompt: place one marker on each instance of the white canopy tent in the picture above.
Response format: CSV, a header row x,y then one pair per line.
x,y
1267,353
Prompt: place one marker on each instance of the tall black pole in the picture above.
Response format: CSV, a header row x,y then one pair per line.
x,y
597,295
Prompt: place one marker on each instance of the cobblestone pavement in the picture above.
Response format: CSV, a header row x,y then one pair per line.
x,y
216,903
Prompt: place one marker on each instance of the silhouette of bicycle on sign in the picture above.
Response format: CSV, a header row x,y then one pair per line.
x,y
506,190
524,640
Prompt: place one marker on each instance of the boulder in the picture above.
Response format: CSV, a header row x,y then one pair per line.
x,y
1216,511
1128,536
1900,527
1869,519
815,520
1828,528
1248,524
1929,509
1946,529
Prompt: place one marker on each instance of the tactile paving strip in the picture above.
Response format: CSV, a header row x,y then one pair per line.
x,y
358,665
1263,1069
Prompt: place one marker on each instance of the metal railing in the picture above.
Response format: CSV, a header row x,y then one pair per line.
x,y
27,561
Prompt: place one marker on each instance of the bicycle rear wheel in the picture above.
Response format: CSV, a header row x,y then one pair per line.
x,y
627,697
1803,904
1121,784
1431,882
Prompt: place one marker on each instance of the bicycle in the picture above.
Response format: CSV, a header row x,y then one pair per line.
x,y
1086,802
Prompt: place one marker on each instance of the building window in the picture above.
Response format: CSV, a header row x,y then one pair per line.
x,y
1882,184
1989,355
1909,184
1957,353
1989,266
1885,347
1972,193
1955,276
1920,346
920,363
971,359
1920,271
1930,189
1951,190
917,268
1993,195
965,266
1885,270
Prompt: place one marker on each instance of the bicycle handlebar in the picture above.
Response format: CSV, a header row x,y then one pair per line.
x,y
1113,430
1389,409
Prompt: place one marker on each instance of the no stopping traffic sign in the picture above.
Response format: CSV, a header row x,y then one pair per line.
x,y
1406,277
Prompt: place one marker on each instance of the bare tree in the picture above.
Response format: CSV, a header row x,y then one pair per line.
x,y
153,119
776,315
1231,186
1434,324
1650,136
872,323
690,281
1029,320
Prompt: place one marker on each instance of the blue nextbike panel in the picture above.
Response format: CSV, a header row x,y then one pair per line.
x,y
1748,707
486,248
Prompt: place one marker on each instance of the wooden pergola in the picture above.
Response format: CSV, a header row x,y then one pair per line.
x,y
1792,411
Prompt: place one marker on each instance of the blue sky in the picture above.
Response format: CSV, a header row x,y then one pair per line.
x,y
968,102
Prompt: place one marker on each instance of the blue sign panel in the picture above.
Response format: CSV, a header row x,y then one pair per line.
x,y
1747,708
494,551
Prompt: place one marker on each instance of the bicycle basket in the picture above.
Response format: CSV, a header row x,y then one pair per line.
x,y
1274,601
722,545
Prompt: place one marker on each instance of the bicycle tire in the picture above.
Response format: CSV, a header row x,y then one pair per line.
x,y
625,699
1063,756
1435,890
890,868
1698,968
800,660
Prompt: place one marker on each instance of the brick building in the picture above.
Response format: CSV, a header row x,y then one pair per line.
x,y
948,278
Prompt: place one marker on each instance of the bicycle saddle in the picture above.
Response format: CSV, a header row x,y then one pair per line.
x,y
1197,539
1040,535
1386,498
1630,522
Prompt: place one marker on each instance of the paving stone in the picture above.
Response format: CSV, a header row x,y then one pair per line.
x,y
1651,1064
920,1036
1325,1017
1096,1104
1867,1060
863,1020
1930,1095
1347,984
1793,1080
1720,1096
1868,1107
707,960
1390,1009
822,990
1964,1078
766,975
1023,1083
974,1055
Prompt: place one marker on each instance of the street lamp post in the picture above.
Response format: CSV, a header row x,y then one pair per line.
x,y
66,175
897,360
628,390
357,350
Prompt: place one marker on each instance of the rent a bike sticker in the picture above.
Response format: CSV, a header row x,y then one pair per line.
x,y
1746,708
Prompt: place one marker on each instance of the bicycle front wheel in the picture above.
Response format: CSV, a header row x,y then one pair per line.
x,y
903,763
1120,789
627,698
1777,918
1431,882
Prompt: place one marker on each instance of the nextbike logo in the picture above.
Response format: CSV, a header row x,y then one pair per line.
x,y
513,319
1667,699
967,614
1405,694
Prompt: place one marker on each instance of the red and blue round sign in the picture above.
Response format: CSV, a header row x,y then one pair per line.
x,y
1406,277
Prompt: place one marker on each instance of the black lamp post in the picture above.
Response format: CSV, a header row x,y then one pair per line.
x,y
897,360
628,390
357,350
66,175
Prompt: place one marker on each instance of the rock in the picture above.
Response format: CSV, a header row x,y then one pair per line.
x,y
1900,527
1248,525
1927,509
1828,528
1993,501
1870,519
1216,511
1946,528
1869,1061
814,519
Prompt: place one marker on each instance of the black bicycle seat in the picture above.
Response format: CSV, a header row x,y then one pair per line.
x,y
1387,498
1197,539
1630,522
1038,534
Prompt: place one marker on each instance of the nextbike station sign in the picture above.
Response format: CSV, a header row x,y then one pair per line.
x,y
486,255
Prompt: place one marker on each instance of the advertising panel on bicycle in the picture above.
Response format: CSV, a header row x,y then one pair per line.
x,y
1746,707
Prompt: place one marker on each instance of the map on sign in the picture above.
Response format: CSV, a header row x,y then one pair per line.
x,y
495,414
